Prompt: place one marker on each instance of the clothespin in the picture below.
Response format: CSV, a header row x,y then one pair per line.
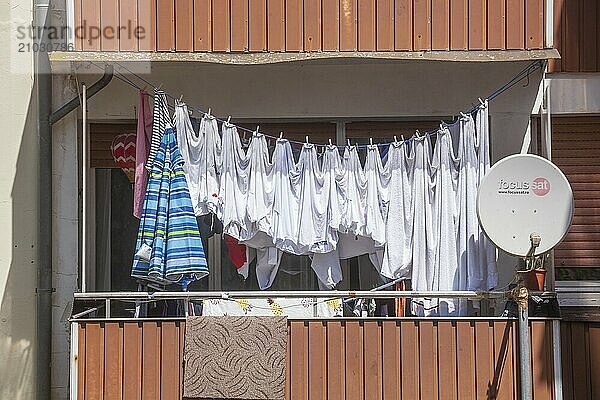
x,y
228,120
280,135
307,140
349,143
180,98
208,113
331,144
418,134
402,137
395,139
371,141
462,114
481,101
256,131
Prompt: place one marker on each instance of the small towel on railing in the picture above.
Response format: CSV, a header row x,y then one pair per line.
x,y
235,358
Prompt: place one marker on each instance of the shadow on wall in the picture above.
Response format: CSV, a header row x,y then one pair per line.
x,y
18,306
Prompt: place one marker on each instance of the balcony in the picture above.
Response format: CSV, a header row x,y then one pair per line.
x,y
235,30
345,358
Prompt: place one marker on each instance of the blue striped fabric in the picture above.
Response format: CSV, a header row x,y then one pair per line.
x,y
168,223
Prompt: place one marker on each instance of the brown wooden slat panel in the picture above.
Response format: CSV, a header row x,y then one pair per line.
x,y
169,365
567,245
151,351
515,24
336,366
94,363
288,366
558,146
580,358
573,236
428,360
504,367
570,48
583,161
202,25
354,360
312,25
77,34
348,25
184,28
299,359
579,187
496,24
440,25
578,262
484,356
465,338
276,25
477,25
409,333
540,370
109,17
558,27
128,16
447,360
239,25
566,359
257,15
594,346
391,372
403,25
165,25
90,14
293,25
113,360
422,25
81,361
132,362
221,26
373,360
588,35
459,26
331,25
571,253
385,25
317,362
534,24
366,25
147,20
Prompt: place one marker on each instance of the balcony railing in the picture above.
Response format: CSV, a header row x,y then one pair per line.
x,y
308,25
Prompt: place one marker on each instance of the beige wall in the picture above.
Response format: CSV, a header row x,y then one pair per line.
x,y
18,209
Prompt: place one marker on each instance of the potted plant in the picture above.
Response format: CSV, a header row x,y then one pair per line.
x,y
532,271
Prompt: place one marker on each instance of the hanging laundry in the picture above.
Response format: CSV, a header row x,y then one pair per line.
x,y
487,251
259,203
334,192
312,223
142,148
210,167
397,260
445,227
233,188
472,276
168,225
285,213
189,144
160,122
377,198
354,220
237,251
424,239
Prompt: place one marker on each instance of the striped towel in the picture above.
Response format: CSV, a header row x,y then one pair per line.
x,y
160,121
168,223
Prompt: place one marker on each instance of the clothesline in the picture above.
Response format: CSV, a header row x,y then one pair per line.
x,y
524,73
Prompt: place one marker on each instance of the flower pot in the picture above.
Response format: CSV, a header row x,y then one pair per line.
x,y
534,279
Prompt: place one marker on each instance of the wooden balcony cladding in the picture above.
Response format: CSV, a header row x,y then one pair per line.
x,y
580,343
576,36
310,25
333,359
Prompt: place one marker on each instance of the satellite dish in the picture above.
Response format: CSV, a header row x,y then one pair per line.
x,y
525,205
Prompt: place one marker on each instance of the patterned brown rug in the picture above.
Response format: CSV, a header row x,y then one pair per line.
x,y
235,358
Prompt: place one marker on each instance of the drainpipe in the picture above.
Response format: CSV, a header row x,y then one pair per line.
x,y
43,91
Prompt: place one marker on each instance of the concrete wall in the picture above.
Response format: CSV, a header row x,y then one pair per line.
x,y
18,207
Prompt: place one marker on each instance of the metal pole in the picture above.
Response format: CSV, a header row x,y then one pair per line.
x,y
524,348
84,163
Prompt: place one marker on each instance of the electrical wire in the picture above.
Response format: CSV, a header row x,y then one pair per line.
x,y
524,73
